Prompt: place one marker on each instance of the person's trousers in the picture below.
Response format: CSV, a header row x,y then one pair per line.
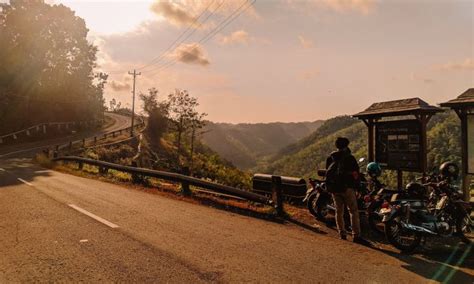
x,y
347,199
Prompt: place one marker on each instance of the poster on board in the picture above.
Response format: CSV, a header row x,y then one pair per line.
x,y
398,145
470,143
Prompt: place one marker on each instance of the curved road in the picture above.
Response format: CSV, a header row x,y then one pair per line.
x,y
56,227
28,149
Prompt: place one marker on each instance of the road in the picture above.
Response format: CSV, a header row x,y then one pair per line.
x,y
62,228
28,149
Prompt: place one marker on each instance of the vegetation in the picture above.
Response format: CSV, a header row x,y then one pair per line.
x,y
305,157
245,144
172,140
46,66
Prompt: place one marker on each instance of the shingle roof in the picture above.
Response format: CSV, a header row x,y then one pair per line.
x,y
466,99
398,107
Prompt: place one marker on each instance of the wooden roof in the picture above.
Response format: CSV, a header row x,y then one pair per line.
x,y
466,99
399,107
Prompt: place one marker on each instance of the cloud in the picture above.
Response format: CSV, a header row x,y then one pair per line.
x,y
340,6
173,12
309,74
237,37
119,86
191,54
185,12
361,6
467,64
416,77
305,42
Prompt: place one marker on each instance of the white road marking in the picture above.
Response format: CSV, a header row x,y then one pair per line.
x,y
97,218
24,181
2,170
83,241
43,171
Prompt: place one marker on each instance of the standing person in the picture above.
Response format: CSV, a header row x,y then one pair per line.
x,y
342,179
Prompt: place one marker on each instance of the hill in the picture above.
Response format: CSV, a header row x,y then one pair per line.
x,y
306,156
244,144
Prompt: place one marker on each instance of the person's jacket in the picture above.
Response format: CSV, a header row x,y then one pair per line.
x,y
349,165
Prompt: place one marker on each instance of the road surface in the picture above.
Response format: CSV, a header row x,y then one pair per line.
x,y
28,149
56,227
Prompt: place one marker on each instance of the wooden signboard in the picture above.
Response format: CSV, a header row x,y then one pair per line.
x,y
398,145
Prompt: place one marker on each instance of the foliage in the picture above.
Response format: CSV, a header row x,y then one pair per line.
x,y
46,66
306,156
246,144
157,112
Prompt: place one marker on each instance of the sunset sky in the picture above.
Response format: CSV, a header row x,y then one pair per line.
x,y
288,60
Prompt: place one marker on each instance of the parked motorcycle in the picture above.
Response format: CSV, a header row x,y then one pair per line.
x,y
320,202
444,214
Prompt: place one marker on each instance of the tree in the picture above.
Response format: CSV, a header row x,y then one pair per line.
x,y
197,123
46,66
113,104
183,116
157,113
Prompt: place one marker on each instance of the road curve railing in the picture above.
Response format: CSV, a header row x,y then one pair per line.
x,y
185,180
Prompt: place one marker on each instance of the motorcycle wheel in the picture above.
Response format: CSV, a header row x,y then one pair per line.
x,y
465,230
400,238
318,207
375,220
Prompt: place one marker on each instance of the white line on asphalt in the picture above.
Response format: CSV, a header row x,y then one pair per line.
x,y
97,218
24,181
2,170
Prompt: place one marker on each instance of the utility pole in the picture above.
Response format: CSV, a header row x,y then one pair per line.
x,y
135,74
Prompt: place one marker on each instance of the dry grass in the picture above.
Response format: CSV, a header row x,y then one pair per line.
x,y
171,190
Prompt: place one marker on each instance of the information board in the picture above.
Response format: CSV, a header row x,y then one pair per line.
x,y
398,145
470,143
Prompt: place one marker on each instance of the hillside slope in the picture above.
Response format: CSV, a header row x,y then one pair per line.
x,y
243,144
305,157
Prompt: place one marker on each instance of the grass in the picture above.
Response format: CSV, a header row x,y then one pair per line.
x,y
170,190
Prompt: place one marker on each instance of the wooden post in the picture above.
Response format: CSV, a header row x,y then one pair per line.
x,y
400,179
464,152
277,195
95,139
83,142
185,190
371,134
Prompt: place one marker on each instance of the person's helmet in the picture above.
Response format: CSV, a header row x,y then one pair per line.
x,y
415,189
374,169
449,170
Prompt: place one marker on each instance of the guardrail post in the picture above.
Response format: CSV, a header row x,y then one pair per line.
x,y
103,170
84,142
95,139
70,145
185,190
81,165
277,195
113,134
105,135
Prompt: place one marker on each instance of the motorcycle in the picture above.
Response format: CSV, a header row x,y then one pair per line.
x,y
444,214
320,202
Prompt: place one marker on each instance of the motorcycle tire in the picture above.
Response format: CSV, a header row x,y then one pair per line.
x,y
318,207
375,220
464,231
390,234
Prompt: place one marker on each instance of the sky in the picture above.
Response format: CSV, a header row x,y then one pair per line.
x,y
284,60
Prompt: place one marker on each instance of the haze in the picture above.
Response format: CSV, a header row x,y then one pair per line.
x,y
287,60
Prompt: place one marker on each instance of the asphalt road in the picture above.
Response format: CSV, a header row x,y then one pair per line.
x,y
28,149
56,227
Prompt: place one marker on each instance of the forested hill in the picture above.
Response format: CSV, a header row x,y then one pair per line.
x,y
305,157
243,144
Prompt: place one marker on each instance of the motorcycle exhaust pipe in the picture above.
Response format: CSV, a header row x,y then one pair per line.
x,y
418,229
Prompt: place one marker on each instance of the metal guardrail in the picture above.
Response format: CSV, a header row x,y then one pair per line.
x,y
42,127
185,180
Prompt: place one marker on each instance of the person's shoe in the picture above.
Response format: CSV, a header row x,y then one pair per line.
x,y
343,237
361,241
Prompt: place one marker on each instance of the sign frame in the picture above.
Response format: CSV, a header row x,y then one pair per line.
x,y
399,145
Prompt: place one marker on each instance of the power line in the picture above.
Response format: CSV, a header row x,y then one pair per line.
x,y
157,59
210,35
